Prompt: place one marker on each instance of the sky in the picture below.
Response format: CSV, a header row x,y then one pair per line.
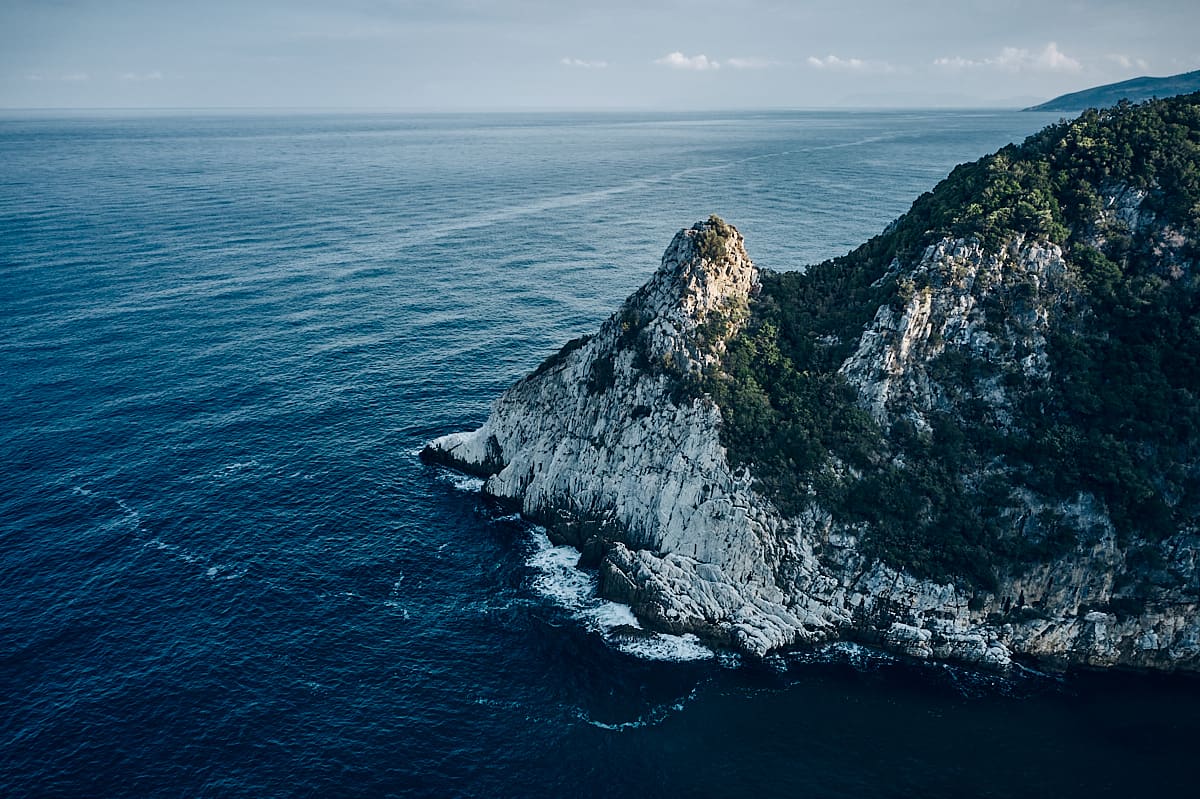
x,y
450,55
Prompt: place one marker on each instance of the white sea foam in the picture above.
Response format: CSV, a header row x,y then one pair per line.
x,y
463,482
613,614
656,715
559,579
218,571
675,648
862,658
233,468
396,605
131,515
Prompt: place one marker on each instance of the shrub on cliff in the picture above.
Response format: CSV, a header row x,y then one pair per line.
x,y
711,241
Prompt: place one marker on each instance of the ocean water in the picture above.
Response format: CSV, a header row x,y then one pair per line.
x,y
224,571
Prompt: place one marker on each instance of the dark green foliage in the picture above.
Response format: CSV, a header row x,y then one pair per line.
x,y
711,241
560,356
1118,417
1050,186
601,376
783,420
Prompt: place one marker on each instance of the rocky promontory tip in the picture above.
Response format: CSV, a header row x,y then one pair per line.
x,y
664,334
915,445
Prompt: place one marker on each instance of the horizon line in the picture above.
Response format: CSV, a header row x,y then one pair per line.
x,y
500,110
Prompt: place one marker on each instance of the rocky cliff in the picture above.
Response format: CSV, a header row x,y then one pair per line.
x,y
744,460
604,446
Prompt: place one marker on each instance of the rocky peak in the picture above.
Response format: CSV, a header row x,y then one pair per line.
x,y
703,269
695,300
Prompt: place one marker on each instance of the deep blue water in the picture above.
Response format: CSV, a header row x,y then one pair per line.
x,y
224,572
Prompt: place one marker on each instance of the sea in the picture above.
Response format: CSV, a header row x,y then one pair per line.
x,y
224,571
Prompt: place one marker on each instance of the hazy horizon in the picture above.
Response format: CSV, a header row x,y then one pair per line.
x,y
534,55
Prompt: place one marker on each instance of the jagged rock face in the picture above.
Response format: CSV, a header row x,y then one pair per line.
x,y
602,446
958,278
1049,610
602,449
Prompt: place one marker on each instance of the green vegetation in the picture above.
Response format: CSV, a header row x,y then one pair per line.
x,y
601,375
560,356
1118,416
711,242
1133,90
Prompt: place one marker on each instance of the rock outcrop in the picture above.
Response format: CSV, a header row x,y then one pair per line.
x,y
613,445
603,447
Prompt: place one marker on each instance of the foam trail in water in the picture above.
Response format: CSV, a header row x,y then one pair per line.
x,y
656,716
463,482
498,216
560,580
231,469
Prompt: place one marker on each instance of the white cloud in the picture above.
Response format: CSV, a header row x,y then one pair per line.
x,y
956,62
834,62
583,64
140,76
678,60
63,76
1017,59
1051,58
750,63
1128,62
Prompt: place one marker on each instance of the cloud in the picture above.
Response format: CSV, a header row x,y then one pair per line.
x,y
70,77
750,63
833,62
957,62
140,76
1128,62
583,64
1053,59
1017,59
678,60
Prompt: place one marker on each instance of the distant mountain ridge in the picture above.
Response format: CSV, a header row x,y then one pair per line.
x,y
1134,90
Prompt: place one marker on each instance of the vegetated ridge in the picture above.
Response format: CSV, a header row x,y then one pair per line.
x,y
1133,90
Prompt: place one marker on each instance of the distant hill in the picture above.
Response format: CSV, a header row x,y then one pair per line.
x,y
1135,90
